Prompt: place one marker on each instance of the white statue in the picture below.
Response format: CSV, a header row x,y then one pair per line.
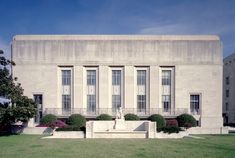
x,y
119,114
120,120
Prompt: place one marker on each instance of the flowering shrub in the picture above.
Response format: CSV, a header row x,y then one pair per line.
x,y
70,128
42,125
172,123
54,124
59,124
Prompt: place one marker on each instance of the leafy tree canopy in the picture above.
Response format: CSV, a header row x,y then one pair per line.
x,y
21,107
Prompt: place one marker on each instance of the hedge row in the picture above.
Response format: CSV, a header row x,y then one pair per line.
x,y
173,125
77,122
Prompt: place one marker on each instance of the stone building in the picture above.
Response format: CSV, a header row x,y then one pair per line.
x,y
229,89
145,74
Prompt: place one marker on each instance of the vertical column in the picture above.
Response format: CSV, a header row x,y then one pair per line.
x,y
129,88
154,89
78,89
104,89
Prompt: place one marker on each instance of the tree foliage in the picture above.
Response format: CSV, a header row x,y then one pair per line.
x,y
21,107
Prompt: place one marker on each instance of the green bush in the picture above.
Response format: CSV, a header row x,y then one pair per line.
x,y
104,117
186,120
159,119
171,129
48,119
77,120
131,117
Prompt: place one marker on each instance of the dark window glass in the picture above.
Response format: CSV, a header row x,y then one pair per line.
x,y
141,103
91,77
66,77
227,93
166,77
195,103
116,77
66,102
226,106
91,103
141,77
116,102
38,100
166,102
227,80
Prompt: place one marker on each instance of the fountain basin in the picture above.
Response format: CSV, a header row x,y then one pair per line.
x,y
133,129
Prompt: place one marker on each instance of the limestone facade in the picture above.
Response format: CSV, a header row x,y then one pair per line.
x,y
145,74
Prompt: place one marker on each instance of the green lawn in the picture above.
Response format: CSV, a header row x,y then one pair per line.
x,y
26,146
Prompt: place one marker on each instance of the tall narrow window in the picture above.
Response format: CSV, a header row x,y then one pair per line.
x,y
91,103
38,100
66,102
226,106
91,77
91,90
227,93
116,101
166,89
195,103
166,101
66,90
141,103
166,77
141,77
141,90
227,80
116,88
66,77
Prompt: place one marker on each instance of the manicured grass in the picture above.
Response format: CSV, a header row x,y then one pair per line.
x,y
28,146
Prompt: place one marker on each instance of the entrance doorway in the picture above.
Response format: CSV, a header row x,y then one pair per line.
x,y
38,98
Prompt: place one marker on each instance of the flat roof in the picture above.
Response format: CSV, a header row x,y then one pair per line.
x,y
119,37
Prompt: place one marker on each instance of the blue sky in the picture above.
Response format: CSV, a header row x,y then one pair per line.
x,y
118,17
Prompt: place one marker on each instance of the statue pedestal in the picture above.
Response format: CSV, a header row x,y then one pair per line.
x,y
120,124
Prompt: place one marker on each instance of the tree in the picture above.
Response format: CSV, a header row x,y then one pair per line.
x,y
21,107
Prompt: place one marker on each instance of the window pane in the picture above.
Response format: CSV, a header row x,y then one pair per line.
x,y
141,103
91,77
166,104
116,101
91,103
194,103
116,77
227,80
141,77
227,93
66,102
166,77
66,77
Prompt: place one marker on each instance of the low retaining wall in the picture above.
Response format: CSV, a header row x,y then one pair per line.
x,y
172,135
200,130
68,134
121,134
37,130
